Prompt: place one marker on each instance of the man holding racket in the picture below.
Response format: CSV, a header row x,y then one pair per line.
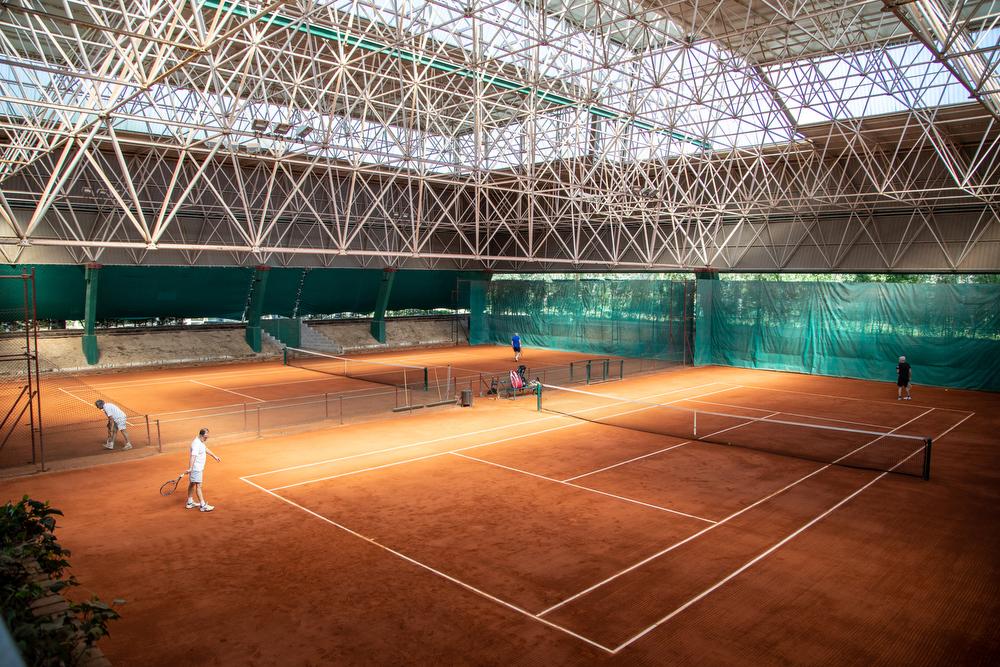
x,y
196,470
116,423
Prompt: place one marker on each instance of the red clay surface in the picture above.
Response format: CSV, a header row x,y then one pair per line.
x,y
500,535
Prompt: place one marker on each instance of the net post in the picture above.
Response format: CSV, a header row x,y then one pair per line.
x,y
695,413
588,371
538,397
621,369
927,458
159,440
326,405
149,435
571,364
605,370
284,354
426,385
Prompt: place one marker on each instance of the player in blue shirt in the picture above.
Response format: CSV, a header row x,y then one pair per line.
x,y
515,343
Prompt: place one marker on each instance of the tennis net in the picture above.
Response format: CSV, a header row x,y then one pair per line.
x,y
821,440
379,372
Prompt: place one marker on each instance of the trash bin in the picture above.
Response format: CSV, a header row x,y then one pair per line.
x,y
466,398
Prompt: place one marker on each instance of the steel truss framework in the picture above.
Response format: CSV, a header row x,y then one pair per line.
x,y
839,135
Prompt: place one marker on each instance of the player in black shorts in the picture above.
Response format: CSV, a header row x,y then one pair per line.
x,y
902,379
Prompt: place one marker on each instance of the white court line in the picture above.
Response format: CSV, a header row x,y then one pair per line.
x,y
720,523
69,393
441,439
575,423
210,386
441,574
584,488
849,398
951,428
186,377
794,414
765,553
644,456
538,616
744,567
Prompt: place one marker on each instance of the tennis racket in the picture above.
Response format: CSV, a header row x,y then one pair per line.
x,y
170,485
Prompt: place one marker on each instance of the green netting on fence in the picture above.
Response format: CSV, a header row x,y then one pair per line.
x,y
950,334
628,318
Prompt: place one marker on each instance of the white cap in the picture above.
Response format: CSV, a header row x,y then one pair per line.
x,y
902,359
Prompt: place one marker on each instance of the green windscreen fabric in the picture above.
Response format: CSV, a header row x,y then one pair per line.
x,y
282,291
423,290
59,291
950,334
139,292
629,318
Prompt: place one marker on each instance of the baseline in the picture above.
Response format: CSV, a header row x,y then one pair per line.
x,y
575,423
441,439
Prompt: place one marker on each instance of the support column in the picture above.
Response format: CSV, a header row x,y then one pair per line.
x,y
90,349
256,308
706,283
384,290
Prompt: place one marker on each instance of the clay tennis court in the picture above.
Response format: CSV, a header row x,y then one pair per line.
x,y
499,534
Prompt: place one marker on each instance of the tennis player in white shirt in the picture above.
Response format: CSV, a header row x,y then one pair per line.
x,y
196,471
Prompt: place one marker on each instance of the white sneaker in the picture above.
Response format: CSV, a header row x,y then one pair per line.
x,y
907,398
899,398
128,445
207,508
190,505
109,445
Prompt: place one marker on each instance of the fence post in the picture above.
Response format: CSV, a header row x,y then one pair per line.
x,y
159,439
538,397
149,437
588,371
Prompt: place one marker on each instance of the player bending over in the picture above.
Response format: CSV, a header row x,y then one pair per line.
x,y
116,423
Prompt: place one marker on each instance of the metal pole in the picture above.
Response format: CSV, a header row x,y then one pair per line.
x,y
149,437
927,458
27,369
159,439
538,397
